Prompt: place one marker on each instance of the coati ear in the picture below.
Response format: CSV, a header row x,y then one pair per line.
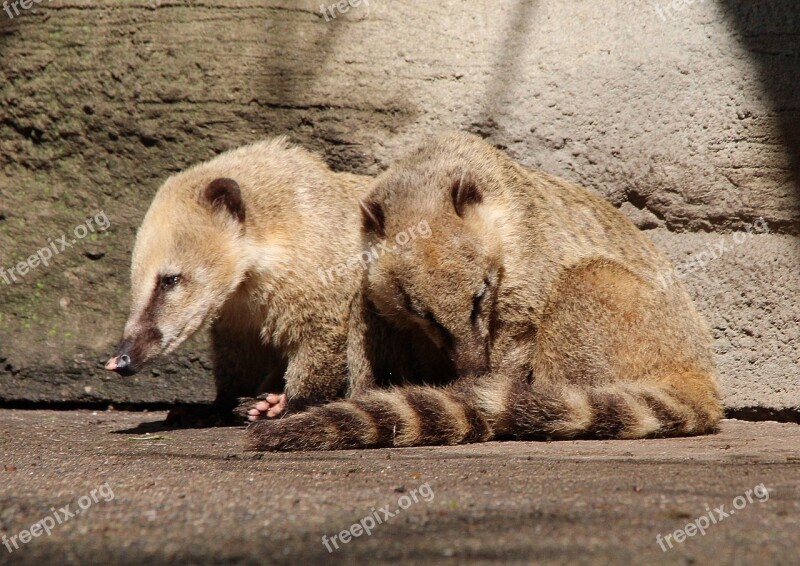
x,y
224,194
373,218
465,192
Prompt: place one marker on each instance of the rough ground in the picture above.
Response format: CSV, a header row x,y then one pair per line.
x,y
193,496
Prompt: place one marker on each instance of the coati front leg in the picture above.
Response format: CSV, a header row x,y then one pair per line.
x,y
244,367
374,354
316,373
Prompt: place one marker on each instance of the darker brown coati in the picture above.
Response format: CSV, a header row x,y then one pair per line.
x,y
545,300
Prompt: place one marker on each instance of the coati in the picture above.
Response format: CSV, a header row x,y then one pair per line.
x,y
545,298
237,244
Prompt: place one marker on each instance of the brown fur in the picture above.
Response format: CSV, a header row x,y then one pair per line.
x,y
247,233
545,299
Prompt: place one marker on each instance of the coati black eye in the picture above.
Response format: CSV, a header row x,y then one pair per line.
x,y
168,282
477,300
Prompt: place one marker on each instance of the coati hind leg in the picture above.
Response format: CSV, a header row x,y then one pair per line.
x,y
633,359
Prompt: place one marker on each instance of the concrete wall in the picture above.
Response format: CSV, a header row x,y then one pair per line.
x,y
687,115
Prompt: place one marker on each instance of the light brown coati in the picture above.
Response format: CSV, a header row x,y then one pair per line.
x,y
241,243
546,299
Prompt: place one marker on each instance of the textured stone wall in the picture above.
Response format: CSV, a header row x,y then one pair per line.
x,y
685,115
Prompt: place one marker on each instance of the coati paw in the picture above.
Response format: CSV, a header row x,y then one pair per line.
x,y
268,407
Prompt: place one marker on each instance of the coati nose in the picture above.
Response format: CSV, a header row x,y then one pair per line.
x,y
121,363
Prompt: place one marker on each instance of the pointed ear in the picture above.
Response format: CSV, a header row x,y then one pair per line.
x,y
224,195
465,192
373,218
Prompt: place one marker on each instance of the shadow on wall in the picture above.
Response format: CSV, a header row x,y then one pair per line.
x,y
770,32
506,65
296,50
300,54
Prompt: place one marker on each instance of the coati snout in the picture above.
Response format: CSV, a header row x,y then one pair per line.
x,y
132,353
121,363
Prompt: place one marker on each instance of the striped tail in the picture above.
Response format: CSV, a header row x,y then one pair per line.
x,y
421,416
408,416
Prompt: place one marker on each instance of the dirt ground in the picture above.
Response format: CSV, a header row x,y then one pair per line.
x,y
143,494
